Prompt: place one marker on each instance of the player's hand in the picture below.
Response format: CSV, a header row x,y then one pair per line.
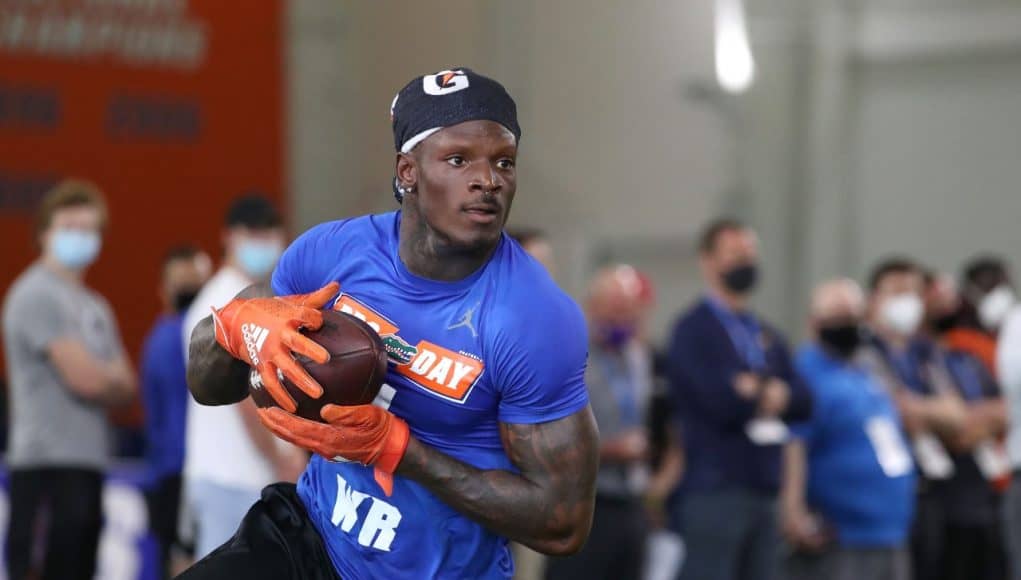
x,y
363,433
774,398
911,409
803,530
747,385
627,447
947,414
263,332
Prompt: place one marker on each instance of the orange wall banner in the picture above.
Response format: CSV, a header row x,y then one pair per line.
x,y
172,107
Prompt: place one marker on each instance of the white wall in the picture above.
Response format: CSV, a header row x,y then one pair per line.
x,y
939,160
900,122
872,127
612,153
616,163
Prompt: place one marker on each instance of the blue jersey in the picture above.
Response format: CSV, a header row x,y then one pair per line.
x,y
860,474
504,345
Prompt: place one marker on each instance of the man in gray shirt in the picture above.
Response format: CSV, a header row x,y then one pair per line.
x,y
65,365
620,384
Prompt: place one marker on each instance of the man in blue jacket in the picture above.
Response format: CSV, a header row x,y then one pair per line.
x,y
165,393
735,387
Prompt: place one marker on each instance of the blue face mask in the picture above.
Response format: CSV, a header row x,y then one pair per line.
x,y
75,249
257,258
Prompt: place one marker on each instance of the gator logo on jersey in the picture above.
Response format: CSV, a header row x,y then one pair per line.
x,y
449,374
398,350
439,370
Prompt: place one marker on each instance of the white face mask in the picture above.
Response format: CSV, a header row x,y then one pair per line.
x,y
903,313
994,306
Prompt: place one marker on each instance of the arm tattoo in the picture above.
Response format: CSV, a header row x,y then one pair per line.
x,y
547,506
214,376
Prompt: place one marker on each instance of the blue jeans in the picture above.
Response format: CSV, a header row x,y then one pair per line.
x,y
729,535
217,511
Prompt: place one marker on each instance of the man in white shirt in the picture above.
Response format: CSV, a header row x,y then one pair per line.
x,y
229,456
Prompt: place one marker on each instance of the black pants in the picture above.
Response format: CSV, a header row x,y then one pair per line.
x,y
947,550
72,501
164,502
928,537
615,548
275,541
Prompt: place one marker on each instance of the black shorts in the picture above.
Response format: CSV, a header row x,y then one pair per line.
x,y
275,541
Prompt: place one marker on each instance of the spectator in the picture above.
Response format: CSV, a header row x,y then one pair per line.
x,y
987,298
229,455
1008,366
664,546
943,305
534,242
925,396
734,382
971,501
65,365
620,383
165,393
848,493
529,564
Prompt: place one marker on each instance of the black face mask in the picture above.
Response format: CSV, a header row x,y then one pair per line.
x,y
183,299
944,323
842,339
741,279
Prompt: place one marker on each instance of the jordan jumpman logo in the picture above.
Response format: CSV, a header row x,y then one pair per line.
x,y
466,320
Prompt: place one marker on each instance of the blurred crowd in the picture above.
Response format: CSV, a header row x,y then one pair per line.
x,y
67,368
880,448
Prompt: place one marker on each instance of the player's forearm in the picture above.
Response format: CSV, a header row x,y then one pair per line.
x,y
214,376
626,448
993,416
95,380
509,504
946,415
546,506
792,492
121,386
985,420
669,474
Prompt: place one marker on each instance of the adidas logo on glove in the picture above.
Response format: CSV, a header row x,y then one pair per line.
x,y
254,337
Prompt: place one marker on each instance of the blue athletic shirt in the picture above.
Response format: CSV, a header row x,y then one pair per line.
x,y
854,427
504,345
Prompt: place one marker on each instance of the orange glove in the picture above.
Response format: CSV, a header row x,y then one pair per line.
x,y
263,332
363,433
